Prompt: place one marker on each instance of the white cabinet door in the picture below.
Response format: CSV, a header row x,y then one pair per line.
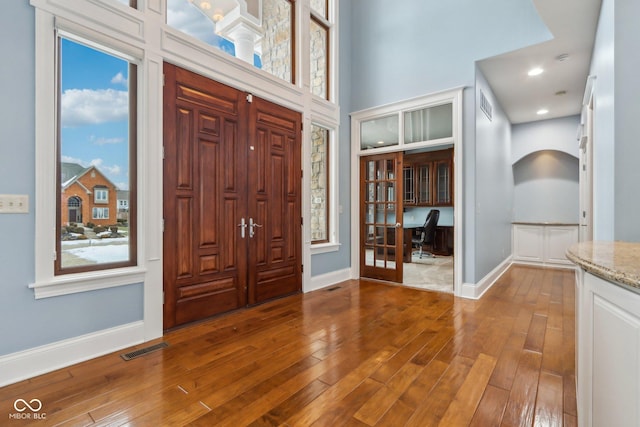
x,y
611,316
528,243
543,244
557,240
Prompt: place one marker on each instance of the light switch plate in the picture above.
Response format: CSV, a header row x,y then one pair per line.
x,y
14,203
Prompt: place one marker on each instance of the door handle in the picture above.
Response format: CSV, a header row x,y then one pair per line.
x,y
398,225
243,226
251,226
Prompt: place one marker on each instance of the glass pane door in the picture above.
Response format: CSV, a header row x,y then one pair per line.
x,y
381,217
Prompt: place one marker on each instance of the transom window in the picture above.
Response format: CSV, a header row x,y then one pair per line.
x,y
260,32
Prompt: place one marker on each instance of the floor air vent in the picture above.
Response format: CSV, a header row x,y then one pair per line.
x,y
143,351
334,288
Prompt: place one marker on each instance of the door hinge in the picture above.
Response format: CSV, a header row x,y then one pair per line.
x,y
249,98
301,268
301,220
163,225
163,152
301,127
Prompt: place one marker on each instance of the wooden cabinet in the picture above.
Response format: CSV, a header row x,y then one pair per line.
x,y
443,241
428,178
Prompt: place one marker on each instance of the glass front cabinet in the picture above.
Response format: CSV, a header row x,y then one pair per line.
x,y
428,178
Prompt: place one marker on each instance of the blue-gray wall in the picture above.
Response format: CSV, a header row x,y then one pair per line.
x,y
493,183
546,170
546,188
627,116
24,321
426,46
616,176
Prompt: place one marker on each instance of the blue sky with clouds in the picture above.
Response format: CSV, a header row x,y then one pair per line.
x,y
95,111
94,102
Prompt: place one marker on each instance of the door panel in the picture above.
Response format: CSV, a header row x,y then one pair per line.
x,y
381,236
228,160
204,197
274,201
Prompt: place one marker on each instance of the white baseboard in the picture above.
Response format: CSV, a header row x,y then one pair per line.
x,y
475,291
40,360
325,280
568,265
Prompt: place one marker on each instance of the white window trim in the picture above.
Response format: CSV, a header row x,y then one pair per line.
x,y
455,96
98,191
333,244
94,210
46,283
144,34
399,108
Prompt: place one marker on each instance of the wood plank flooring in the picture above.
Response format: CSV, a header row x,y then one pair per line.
x,y
357,354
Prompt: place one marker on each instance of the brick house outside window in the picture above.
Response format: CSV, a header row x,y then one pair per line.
x,y
86,196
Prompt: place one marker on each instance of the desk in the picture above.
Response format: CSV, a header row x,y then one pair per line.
x,y
442,245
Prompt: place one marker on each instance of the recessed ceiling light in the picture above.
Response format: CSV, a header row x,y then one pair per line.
x,y
561,92
535,71
542,111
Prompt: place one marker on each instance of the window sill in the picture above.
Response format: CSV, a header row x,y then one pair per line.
x,y
83,282
322,248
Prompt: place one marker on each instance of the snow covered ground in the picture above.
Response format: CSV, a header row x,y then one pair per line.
x,y
98,250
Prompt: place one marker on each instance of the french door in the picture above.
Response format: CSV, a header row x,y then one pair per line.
x,y
381,234
232,206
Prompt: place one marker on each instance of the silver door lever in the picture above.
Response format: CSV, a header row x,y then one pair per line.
x,y
251,225
242,226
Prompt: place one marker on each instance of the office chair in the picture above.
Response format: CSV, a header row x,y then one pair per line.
x,y
427,232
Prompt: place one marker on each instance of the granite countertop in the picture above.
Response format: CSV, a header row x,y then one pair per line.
x,y
612,261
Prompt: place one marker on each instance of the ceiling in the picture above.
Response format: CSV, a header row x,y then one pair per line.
x,y
560,88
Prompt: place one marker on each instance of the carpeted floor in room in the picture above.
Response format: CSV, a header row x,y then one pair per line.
x,y
435,274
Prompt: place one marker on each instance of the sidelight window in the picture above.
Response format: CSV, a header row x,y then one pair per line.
x,y
319,184
96,151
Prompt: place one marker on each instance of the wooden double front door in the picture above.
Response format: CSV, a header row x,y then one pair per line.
x,y
232,198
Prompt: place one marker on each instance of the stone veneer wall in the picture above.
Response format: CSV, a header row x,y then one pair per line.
x,y
318,59
276,41
319,191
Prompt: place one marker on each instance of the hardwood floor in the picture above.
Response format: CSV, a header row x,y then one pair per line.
x,y
357,354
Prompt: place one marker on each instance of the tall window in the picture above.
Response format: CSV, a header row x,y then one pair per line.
x,y
319,48
319,184
96,157
260,32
